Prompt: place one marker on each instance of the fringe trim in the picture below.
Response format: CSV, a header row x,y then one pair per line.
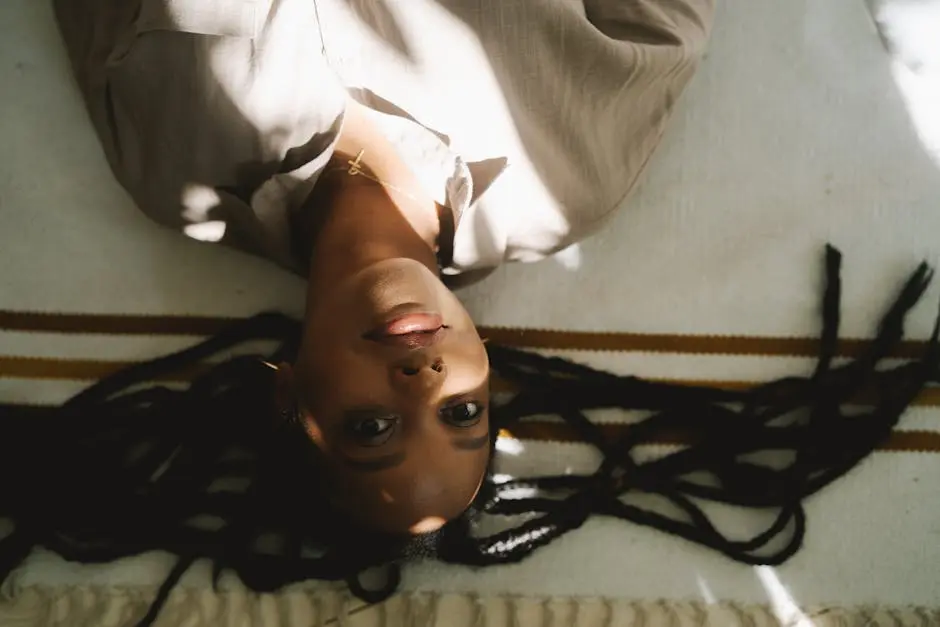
x,y
116,606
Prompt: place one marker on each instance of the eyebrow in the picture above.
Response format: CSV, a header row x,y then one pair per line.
x,y
393,459
471,444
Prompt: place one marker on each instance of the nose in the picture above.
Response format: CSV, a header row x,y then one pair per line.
x,y
419,372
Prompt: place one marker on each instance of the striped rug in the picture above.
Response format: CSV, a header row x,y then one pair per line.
x,y
71,350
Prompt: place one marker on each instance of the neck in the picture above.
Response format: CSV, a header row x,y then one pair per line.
x,y
377,209
364,156
371,219
393,187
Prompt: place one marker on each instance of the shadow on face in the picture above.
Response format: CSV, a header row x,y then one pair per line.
x,y
393,388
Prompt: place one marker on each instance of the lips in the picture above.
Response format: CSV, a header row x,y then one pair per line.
x,y
411,323
412,331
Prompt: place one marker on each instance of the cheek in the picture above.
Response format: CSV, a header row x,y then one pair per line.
x,y
423,489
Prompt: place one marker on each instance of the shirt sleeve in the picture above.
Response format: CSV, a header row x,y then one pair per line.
x,y
200,104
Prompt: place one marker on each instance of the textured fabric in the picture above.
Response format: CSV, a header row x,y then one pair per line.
x,y
217,115
102,606
198,103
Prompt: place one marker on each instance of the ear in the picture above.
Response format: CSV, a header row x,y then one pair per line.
x,y
288,407
284,389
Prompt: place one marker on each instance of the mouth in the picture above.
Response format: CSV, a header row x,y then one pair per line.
x,y
412,331
411,341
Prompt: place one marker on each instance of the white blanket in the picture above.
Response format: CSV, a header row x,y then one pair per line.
x,y
800,129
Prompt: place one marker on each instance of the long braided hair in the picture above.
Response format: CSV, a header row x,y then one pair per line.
x,y
124,468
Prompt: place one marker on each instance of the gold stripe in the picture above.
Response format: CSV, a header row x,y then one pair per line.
x,y
92,370
517,337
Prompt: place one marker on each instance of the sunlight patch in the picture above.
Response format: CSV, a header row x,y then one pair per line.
x,y
509,445
784,607
198,201
211,231
706,590
569,258
909,30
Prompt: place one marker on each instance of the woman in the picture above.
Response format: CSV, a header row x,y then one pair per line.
x,y
287,128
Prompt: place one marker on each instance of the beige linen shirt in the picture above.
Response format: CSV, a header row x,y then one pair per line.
x,y
531,119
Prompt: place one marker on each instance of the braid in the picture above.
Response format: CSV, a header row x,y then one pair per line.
x,y
140,466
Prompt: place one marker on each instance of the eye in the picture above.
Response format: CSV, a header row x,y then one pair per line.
x,y
371,431
464,414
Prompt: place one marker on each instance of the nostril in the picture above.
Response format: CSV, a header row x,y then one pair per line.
x,y
438,366
409,371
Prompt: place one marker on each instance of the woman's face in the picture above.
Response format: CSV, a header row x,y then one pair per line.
x,y
393,387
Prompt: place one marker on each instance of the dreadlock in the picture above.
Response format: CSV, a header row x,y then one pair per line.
x,y
125,468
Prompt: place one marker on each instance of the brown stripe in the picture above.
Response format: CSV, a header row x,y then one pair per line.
x,y
517,337
80,369
92,370
541,431
108,324
689,344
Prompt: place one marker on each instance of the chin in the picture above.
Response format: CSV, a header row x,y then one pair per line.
x,y
394,282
